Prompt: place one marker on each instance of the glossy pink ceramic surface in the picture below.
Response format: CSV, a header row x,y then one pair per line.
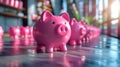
x,y
14,32
92,31
24,31
77,32
52,31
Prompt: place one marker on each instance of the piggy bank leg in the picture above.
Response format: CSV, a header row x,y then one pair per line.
x,y
72,42
88,38
39,48
79,42
55,49
49,49
83,39
63,47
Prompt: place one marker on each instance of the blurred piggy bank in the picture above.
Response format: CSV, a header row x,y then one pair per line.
x,y
86,36
89,34
95,32
24,31
52,31
14,32
1,32
77,32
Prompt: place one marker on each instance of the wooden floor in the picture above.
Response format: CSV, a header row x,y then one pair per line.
x,y
100,52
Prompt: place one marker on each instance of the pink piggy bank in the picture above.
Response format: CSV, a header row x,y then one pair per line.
x,y
77,32
52,31
14,32
24,31
95,32
1,32
86,36
89,33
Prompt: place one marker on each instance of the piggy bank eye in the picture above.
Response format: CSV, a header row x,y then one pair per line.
x,y
65,22
53,22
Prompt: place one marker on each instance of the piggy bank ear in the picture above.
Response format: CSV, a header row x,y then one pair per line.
x,y
46,15
65,16
73,21
81,21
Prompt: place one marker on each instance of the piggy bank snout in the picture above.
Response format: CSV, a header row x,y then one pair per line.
x,y
62,30
82,31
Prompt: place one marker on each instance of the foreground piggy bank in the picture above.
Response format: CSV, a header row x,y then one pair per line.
x,y
24,31
52,31
14,32
77,32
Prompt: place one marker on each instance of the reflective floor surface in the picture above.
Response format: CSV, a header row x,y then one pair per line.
x,y
100,52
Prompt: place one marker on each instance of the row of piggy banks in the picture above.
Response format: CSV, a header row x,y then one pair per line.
x,y
16,32
53,32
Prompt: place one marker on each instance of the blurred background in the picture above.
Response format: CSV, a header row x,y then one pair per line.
x,y
104,14
20,50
